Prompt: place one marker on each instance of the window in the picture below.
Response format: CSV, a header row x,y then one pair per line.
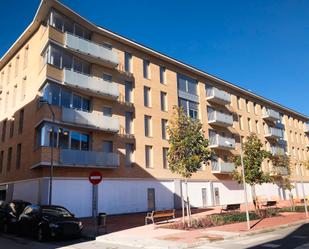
x,y
241,125
239,103
163,98
9,74
146,69
148,128
129,123
26,51
162,75
128,92
62,138
3,130
14,96
107,77
21,121
16,65
12,128
164,128
23,89
191,108
1,160
6,101
249,125
128,62
247,105
107,146
164,154
129,154
107,111
18,156
148,156
9,159
147,96
291,136
186,84
257,126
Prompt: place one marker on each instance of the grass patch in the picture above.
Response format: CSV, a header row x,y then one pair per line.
x,y
298,209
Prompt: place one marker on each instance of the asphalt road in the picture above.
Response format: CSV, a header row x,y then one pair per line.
x,y
9,241
288,238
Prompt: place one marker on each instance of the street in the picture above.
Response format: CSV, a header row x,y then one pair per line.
x,y
289,238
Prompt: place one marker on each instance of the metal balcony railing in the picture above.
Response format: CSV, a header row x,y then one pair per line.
x,y
91,84
218,96
94,120
89,158
92,49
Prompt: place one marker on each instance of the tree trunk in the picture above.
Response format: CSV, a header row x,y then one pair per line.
x,y
254,198
188,203
183,207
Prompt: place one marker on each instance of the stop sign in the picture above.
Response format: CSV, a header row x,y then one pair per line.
x,y
95,177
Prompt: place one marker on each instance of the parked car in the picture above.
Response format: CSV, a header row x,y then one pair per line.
x,y
47,222
9,214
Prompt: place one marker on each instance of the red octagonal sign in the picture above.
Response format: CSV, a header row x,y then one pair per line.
x,y
95,177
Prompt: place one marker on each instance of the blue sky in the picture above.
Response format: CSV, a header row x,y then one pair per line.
x,y
260,45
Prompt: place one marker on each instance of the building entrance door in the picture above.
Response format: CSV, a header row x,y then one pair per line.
x,y
151,199
217,196
204,197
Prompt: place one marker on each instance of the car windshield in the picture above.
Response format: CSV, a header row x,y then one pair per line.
x,y
56,211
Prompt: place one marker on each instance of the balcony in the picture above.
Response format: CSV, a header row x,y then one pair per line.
x,y
221,167
220,142
88,158
91,84
218,96
279,171
307,128
219,118
271,115
274,133
91,120
94,51
276,150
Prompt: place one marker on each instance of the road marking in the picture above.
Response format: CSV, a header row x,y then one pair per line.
x,y
304,246
257,239
299,236
271,245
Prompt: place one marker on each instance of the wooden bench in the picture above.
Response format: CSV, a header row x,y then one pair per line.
x,y
230,207
269,204
168,213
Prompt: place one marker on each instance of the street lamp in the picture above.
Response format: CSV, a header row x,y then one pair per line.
x,y
44,101
243,180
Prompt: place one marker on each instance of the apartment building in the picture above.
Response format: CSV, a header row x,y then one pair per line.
x,y
112,100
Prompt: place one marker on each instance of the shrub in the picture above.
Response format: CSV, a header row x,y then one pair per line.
x,y
295,209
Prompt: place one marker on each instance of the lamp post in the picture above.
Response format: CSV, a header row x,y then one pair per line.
x,y
243,181
51,175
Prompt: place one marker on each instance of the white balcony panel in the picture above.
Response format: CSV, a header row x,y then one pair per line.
x,y
219,118
221,142
92,49
89,158
271,115
307,127
93,120
91,84
221,167
274,133
218,96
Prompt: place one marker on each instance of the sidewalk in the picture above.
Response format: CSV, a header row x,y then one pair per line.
x,y
151,236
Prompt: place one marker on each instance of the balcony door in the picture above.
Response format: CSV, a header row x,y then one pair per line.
x,y
107,146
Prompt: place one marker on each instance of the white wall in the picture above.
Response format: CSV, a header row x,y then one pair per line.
x,y
125,196
75,195
27,191
230,192
195,193
267,189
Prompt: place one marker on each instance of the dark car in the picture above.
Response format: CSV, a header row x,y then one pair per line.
x,y
47,222
9,214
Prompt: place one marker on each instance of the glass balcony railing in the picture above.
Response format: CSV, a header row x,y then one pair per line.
x,y
218,141
271,115
219,96
276,150
91,84
92,49
307,127
92,120
273,132
89,158
221,167
219,118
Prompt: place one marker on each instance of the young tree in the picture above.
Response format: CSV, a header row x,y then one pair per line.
x,y
188,147
253,156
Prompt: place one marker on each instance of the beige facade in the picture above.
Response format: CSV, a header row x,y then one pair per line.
x,y
31,64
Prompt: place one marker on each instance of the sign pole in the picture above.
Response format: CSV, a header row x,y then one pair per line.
x,y
95,209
